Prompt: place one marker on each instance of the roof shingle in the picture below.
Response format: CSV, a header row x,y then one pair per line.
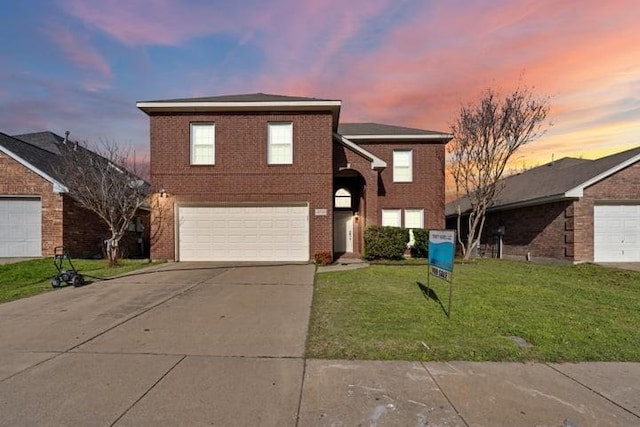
x,y
363,129
41,158
550,181
247,97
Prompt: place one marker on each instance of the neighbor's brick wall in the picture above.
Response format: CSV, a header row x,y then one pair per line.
x,y
83,230
623,186
426,191
17,180
544,231
84,233
241,173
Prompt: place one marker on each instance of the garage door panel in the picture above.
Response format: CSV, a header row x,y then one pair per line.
x,y
243,233
20,227
616,233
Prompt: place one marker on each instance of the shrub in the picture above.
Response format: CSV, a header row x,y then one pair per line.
x,y
385,242
421,247
323,258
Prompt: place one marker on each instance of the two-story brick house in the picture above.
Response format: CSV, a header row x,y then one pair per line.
x,y
277,178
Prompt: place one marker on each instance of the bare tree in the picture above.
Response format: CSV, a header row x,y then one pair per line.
x,y
486,135
107,183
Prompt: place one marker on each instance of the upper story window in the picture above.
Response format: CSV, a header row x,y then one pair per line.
x,y
280,151
203,143
402,166
342,198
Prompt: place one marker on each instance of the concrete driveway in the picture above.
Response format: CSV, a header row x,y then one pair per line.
x,y
186,344
212,344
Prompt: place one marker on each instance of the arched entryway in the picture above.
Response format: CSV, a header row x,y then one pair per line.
x,y
348,213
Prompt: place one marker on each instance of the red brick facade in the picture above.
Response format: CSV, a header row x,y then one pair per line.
x,y
541,231
425,191
241,173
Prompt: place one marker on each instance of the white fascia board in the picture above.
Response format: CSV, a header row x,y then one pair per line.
x,y
440,136
58,187
376,162
237,105
579,190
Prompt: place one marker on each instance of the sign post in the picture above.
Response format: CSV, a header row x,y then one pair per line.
x,y
442,248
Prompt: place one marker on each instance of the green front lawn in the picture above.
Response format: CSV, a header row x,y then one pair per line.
x,y
32,277
567,313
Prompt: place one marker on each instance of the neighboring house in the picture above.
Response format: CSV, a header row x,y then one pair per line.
x,y
36,213
276,178
575,210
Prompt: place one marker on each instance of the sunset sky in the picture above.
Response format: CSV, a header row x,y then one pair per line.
x,y
81,65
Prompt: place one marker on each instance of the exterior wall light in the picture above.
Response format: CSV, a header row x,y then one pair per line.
x,y
163,194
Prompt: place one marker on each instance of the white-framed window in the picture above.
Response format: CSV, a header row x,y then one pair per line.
x,y
402,166
203,143
391,217
342,198
414,218
280,151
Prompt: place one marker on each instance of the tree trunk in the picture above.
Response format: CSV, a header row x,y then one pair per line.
x,y
113,250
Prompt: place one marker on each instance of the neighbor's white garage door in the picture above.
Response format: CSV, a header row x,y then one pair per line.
x,y
243,233
616,233
20,227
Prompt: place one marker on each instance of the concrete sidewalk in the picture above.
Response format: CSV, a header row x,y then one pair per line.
x,y
214,344
378,393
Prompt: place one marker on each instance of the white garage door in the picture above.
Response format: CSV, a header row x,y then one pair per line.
x,y
20,227
616,233
243,233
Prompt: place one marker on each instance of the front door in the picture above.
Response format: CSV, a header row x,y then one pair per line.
x,y
342,231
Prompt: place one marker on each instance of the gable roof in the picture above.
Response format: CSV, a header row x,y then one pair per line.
x,y
40,152
379,131
40,161
559,180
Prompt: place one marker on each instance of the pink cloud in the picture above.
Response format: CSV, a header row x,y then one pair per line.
x,y
439,59
78,50
421,67
160,22
294,36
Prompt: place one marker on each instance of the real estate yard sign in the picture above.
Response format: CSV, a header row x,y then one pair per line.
x,y
442,245
442,248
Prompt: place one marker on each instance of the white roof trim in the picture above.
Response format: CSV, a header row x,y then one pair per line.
x,y
579,190
58,187
438,136
236,105
376,162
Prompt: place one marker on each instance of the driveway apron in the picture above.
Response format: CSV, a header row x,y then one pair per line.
x,y
183,344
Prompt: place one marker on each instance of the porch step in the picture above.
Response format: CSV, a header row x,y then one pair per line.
x,y
350,258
